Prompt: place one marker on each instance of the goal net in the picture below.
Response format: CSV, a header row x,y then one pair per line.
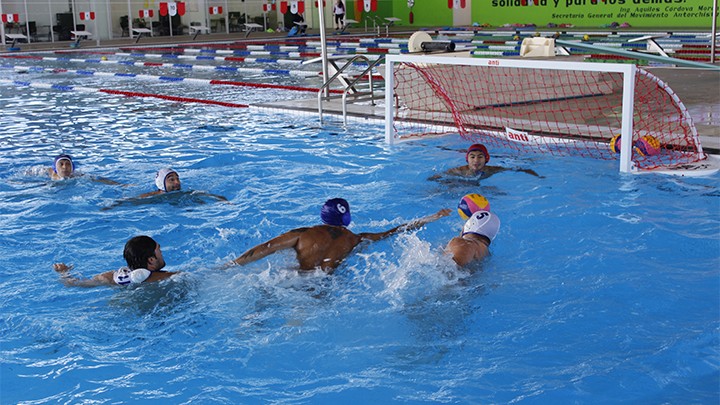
x,y
601,110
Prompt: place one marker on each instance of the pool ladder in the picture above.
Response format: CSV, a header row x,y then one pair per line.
x,y
352,85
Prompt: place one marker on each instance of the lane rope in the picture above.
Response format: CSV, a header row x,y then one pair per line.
x,y
120,92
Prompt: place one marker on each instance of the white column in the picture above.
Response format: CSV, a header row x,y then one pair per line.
x,y
27,22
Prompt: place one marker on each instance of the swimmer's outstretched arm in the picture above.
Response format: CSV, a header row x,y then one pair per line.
x,y
216,196
490,170
455,171
96,281
131,200
108,181
406,227
285,241
531,172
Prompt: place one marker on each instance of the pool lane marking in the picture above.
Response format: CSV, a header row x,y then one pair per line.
x,y
121,93
259,52
197,57
167,78
283,72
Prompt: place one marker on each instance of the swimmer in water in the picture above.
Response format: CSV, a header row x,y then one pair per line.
x,y
477,157
326,246
167,180
473,244
144,260
64,168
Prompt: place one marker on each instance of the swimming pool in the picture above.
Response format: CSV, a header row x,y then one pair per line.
x,y
601,287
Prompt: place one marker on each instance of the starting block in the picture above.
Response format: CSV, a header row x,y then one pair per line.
x,y
390,22
196,29
15,38
79,36
347,25
140,32
250,27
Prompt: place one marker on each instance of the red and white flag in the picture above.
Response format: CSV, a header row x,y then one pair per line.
x,y
87,15
215,10
172,8
146,13
297,7
268,7
10,18
370,5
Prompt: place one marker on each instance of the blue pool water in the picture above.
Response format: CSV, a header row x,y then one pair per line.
x,y
601,287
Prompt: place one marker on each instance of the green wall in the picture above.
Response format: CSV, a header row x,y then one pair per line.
x,y
596,13
426,13
658,14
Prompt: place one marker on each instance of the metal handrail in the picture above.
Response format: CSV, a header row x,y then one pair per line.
x,y
348,86
367,71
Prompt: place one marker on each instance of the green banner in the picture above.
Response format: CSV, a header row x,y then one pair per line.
x,y
652,14
657,14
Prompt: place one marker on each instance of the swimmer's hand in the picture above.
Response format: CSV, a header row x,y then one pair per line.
x,y
442,213
228,265
62,268
422,221
64,271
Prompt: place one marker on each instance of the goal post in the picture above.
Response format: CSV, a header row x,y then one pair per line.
x,y
601,110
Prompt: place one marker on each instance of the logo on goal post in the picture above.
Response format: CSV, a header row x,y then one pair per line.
x,y
521,136
534,140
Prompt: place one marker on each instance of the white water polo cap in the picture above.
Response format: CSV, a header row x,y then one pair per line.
x,y
125,276
482,223
161,176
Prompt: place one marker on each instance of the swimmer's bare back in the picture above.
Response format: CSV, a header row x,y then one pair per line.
x,y
323,246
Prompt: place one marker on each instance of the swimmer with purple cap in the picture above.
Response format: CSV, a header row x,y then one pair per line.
x,y
64,168
477,157
326,246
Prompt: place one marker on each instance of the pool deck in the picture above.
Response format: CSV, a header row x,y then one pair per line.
x,y
698,89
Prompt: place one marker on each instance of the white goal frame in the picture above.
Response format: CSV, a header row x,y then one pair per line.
x,y
628,91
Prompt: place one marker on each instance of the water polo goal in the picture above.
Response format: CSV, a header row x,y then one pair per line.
x,y
603,110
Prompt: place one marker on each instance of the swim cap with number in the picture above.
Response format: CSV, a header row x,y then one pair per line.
x,y
483,223
336,212
125,276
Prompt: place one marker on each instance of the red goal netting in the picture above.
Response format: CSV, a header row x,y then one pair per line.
x,y
560,111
